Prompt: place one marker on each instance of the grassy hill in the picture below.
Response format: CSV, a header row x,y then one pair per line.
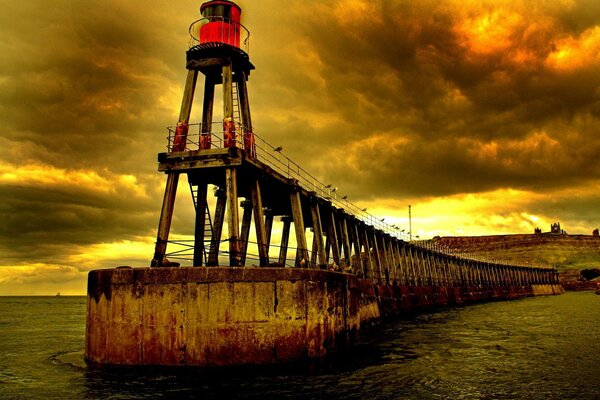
x,y
561,251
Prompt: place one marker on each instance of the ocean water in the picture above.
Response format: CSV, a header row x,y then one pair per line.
x,y
535,348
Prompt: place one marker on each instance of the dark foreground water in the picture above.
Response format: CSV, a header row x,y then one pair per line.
x,y
535,348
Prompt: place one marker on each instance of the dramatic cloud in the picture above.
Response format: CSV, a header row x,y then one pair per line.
x,y
482,115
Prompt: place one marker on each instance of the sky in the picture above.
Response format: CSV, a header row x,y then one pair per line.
x,y
482,115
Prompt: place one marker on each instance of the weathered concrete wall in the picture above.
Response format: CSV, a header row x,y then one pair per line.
x,y
217,316
233,316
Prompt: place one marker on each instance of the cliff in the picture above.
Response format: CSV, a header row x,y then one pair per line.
x,y
560,251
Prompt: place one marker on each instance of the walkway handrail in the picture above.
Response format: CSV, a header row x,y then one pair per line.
x,y
273,157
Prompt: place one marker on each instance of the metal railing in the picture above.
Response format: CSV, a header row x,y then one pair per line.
x,y
219,30
272,156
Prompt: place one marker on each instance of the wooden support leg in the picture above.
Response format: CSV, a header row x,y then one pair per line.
x,y
345,240
318,233
302,252
207,112
370,271
406,266
361,265
376,256
213,255
397,261
166,213
228,122
233,221
164,224
245,233
285,237
416,272
249,143
384,259
332,235
201,209
314,251
268,225
259,223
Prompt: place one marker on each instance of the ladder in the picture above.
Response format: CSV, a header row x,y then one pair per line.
x,y
236,103
208,230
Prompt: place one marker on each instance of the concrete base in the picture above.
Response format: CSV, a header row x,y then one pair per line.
x,y
238,316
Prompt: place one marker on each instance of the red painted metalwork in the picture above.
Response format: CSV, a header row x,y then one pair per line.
x,y
229,132
180,139
249,144
222,23
205,141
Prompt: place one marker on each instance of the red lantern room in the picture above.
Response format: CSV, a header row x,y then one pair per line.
x,y
220,23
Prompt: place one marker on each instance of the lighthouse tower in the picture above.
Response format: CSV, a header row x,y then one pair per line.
x,y
219,51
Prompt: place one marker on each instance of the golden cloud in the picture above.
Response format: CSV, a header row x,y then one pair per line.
x,y
576,52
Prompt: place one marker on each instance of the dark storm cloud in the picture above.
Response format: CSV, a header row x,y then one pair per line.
x,y
46,222
428,107
86,90
385,99
83,82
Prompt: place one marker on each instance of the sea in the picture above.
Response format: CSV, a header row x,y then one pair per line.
x,y
534,348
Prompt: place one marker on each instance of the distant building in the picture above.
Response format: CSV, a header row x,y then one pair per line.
x,y
595,232
537,231
555,229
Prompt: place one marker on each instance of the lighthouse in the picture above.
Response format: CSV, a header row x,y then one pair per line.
x,y
219,52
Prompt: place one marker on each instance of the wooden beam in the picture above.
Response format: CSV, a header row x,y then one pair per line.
x,y
244,103
200,227
302,257
385,258
361,265
378,264
229,128
164,223
233,221
406,268
245,233
268,225
207,112
166,213
332,235
249,144
318,232
414,267
285,237
344,238
227,91
314,251
397,260
370,272
205,62
213,254
259,223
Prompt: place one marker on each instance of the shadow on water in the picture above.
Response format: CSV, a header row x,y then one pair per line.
x,y
302,379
